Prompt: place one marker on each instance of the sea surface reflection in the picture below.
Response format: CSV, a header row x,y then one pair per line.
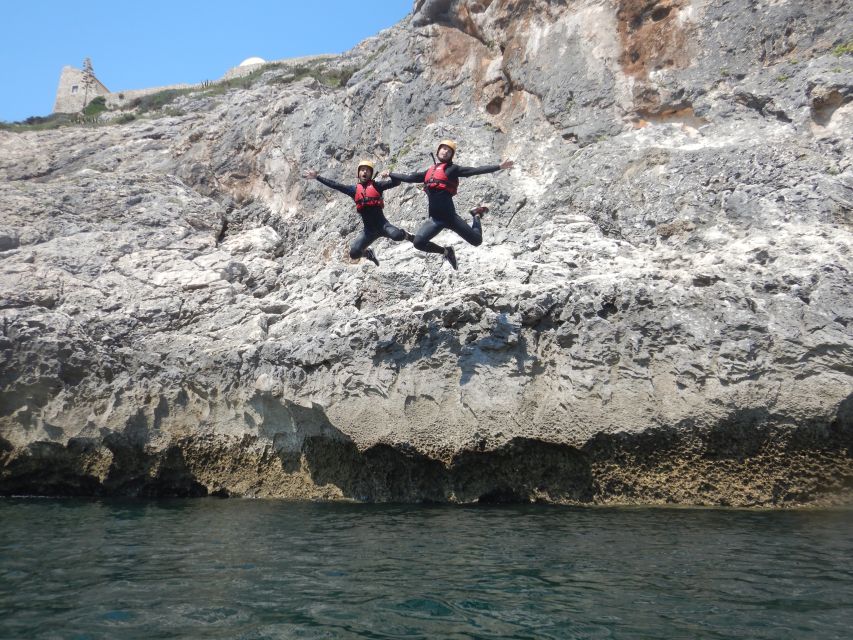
x,y
257,569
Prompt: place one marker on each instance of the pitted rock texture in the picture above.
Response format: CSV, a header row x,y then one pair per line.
x,y
660,312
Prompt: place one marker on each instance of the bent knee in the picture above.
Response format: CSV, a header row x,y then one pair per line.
x,y
398,235
420,243
476,241
354,254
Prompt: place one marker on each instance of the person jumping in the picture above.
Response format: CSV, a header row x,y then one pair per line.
x,y
368,202
441,182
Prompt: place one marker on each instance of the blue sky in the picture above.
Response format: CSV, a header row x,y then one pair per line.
x,y
136,45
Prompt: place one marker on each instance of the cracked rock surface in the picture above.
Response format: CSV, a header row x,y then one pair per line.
x,y
660,311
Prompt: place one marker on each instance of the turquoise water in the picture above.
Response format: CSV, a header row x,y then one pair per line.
x,y
264,569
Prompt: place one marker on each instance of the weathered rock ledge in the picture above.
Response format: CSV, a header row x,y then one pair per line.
x,y
734,465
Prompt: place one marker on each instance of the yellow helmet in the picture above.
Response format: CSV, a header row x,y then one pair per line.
x,y
448,143
365,163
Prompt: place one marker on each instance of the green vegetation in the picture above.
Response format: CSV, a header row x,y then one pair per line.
x,y
843,49
57,120
243,82
41,123
155,101
338,78
783,77
319,71
95,107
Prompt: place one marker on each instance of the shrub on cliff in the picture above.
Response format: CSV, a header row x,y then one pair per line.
x,y
40,123
155,101
95,107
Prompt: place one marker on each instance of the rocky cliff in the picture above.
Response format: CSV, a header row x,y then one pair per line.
x,y
660,312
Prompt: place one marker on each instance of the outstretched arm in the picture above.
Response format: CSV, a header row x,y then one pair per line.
x,y
346,189
408,177
383,184
457,171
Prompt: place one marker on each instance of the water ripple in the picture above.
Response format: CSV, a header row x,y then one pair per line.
x,y
264,570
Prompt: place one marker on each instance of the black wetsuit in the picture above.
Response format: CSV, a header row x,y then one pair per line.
x,y
442,213
375,223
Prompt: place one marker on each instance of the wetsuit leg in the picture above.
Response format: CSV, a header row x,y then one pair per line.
x,y
429,229
362,241
471,235
393,233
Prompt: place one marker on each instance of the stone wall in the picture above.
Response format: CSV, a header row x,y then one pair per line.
x,y
71,95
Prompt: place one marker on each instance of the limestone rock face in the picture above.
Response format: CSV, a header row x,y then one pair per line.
x,y
660,311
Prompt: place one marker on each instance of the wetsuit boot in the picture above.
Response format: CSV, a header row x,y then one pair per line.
x,y
368,253
450,256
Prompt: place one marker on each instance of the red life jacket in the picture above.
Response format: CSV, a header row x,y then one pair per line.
x,y
367,196
437,179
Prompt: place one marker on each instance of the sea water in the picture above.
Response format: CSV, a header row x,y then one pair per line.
x,y
207,568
